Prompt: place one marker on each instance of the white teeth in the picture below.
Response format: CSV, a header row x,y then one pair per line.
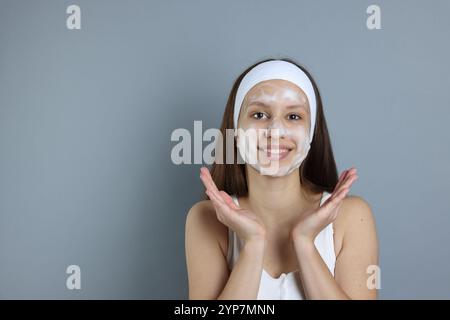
x,y
277,151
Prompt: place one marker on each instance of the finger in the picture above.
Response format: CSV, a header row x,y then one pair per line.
x,y
206,177
336,211
209,183
216,198
213,201
222,209
339,201
332,202
341,179
229,200
342,194
349,181
350,173
336,203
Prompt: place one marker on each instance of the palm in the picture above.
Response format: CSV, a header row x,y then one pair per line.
x,y
244,222
313,221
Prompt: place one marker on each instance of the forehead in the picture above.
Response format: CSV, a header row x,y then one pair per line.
x,y
276,90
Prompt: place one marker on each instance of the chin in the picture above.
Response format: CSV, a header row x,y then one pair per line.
x,y
280,171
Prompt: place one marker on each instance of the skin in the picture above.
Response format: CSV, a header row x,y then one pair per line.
x,y
278,111
279,235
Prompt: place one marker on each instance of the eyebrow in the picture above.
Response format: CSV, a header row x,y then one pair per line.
x,y
264,105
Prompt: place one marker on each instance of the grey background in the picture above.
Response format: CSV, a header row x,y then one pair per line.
x,y
86,116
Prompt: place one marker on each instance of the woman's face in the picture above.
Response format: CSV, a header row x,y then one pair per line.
x,y
278,111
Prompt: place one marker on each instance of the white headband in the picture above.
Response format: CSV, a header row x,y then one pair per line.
x,y
277,69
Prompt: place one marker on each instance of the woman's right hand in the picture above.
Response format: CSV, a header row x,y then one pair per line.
x,y
242,221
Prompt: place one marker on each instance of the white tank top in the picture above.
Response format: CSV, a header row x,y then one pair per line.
x,y
286,286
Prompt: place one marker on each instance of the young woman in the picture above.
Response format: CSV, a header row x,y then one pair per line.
x,y
280,224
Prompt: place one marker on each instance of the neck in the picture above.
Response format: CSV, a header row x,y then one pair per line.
x,y
278,201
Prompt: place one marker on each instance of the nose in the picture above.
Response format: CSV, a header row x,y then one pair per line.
x,y
275,129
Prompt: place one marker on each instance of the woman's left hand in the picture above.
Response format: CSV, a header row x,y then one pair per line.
x,y
313,221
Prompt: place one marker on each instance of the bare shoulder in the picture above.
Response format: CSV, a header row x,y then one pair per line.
x,y
202,216
355,229
355,208
355,217
206,262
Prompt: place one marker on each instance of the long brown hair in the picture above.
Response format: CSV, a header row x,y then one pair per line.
x,y
318,171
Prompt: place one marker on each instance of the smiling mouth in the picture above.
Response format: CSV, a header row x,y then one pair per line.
x,y
276,154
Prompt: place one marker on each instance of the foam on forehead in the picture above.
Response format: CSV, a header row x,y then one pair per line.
x,y
277,69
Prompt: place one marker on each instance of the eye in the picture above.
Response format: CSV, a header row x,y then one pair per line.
x,y
294,117
258,115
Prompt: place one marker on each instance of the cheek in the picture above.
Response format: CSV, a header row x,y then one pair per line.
x,y
253,132
255,125
300,137
247,135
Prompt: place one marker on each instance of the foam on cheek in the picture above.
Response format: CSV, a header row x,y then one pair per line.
x,y
301,138
247,144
